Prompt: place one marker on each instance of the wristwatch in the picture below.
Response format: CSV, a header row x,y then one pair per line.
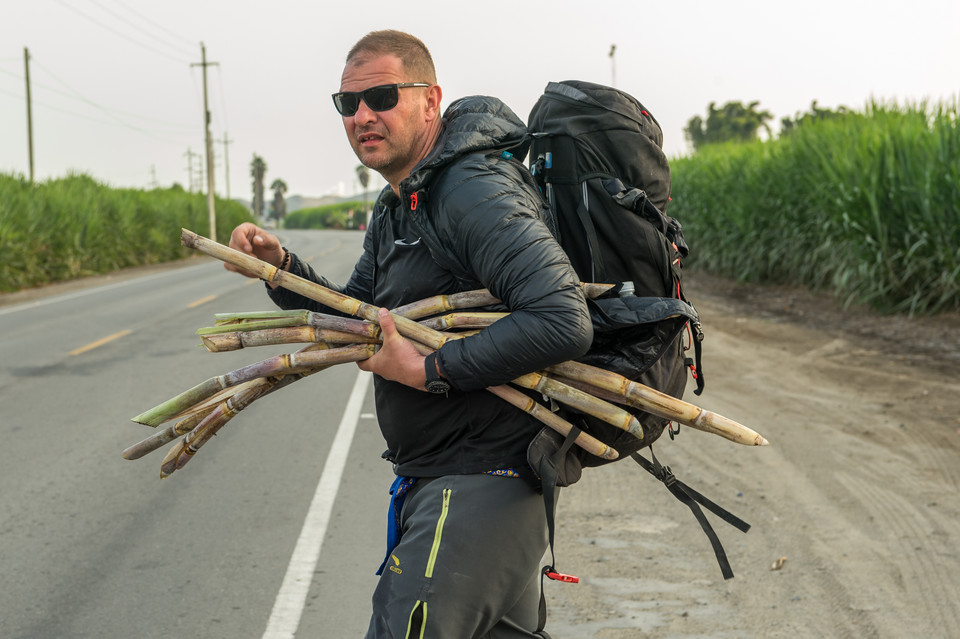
x,y
435,383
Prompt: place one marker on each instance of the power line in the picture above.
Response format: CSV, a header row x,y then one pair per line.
x,y
138,28
159,26
75,95
196,88
12,95
223,100
18,76
20,96
122,35
81,97
103,122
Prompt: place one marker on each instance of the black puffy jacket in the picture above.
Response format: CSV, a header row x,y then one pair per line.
x,y
467,217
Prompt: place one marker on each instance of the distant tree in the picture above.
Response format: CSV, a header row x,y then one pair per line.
x,y
258,169
279,187
815,114
734,121
363,174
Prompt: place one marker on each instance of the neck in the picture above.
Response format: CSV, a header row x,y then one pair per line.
x,y
429,141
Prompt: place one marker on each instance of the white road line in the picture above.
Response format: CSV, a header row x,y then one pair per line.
x,y
288,607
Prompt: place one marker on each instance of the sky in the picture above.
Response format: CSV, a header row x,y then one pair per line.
x,y
117,88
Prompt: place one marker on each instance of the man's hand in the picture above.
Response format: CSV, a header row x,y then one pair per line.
x,y
250,239
398,359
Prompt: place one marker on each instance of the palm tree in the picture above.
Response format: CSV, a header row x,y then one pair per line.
x,y
279,187
363,174
258,169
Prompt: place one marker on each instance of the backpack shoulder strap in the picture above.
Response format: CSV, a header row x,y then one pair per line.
x,y
691,498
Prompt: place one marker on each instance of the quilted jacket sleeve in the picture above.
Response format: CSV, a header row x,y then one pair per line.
x,y
491,224
359,286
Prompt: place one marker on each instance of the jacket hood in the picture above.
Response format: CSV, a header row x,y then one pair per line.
x,y
474,123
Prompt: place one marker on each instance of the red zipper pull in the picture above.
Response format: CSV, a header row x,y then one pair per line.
x,y
559,576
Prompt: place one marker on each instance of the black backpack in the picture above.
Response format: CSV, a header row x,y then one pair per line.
x,y
596,157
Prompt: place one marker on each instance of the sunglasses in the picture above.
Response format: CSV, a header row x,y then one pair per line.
x,y
379,98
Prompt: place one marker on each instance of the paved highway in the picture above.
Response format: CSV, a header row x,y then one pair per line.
x,y
92,545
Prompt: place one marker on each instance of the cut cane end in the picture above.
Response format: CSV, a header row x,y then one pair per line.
x,y
147,420
761,441
610,454
132,453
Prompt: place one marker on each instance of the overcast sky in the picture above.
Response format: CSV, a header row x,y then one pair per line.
x,y
115,95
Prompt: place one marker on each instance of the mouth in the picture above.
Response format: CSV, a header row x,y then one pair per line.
x,y
369,139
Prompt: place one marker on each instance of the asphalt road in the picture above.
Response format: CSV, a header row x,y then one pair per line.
x,y
92,545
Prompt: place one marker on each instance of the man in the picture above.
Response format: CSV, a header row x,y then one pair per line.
x,y
459,214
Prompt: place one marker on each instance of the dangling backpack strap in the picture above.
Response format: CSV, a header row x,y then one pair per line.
x,y
691,498
548,469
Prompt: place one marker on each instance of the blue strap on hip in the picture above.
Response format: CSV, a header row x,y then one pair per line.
x,y
398,494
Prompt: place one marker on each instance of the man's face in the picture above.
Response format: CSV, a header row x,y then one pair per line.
x,y
389,142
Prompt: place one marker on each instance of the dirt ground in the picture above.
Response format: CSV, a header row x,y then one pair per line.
x,y
857,491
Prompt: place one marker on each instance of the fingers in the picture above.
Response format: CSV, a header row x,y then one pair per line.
x,y
267,245
388,328
250,239
388,337
242,236
397,359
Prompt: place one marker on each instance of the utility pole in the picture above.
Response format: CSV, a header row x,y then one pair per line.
x,y
226,162
190,155
26,68
153,176
209,141
613,67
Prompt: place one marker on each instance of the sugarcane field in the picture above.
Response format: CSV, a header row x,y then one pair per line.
x,y
832,431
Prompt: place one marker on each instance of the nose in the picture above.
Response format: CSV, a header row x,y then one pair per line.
x,y
364,114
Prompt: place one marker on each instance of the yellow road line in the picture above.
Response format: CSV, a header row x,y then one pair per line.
x,y
99,342
203,300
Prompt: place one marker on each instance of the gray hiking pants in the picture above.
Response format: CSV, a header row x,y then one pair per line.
x,y
468,562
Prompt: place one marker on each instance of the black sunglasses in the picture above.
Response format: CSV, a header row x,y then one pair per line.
x,y
379,98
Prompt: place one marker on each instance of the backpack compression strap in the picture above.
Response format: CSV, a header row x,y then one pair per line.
x,y
549,472
691,498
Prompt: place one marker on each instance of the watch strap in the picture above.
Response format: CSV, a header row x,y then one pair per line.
x,y
435,382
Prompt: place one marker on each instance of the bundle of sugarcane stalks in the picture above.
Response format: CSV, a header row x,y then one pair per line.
x,y
201,411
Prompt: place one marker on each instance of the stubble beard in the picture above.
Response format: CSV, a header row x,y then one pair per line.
x,y
386,162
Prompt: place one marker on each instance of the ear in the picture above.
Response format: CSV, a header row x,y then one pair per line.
x,y
434,96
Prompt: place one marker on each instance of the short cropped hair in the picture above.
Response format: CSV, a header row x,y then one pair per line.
x,y
413,53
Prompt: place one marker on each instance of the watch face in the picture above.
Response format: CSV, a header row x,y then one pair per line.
x,y
438,386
